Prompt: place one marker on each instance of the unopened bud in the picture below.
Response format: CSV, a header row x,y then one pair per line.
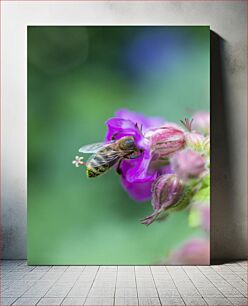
x,y
188,164
166,140
166,191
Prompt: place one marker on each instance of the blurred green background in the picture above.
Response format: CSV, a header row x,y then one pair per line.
x,y
77,78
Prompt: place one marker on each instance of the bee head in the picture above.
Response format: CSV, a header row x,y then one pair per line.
x,y
128,143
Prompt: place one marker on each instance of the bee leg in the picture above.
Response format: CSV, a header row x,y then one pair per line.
x,y
135,155
118,169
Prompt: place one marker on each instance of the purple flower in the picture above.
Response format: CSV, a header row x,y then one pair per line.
x,y
166,191
136,176
139,191
134,170
156,142
193,252
188,164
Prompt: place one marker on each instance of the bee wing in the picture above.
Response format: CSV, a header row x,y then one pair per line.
x,y
92,148
110,158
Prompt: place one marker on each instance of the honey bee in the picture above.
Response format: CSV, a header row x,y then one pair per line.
x,y
107,155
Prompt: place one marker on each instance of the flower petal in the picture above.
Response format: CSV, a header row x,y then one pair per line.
x,y
141,120
118,128
129,124
140,170
139,191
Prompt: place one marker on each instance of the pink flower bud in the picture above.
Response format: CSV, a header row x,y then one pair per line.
x,y
166,191
188,164
166,140
201,122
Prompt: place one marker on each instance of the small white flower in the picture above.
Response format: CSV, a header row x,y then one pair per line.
x,y
78,161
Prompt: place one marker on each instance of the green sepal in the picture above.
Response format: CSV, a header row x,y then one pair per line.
x,y
203,193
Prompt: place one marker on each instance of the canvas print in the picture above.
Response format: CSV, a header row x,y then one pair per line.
x,y
118,145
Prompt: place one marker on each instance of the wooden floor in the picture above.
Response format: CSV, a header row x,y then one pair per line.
x,y
123,285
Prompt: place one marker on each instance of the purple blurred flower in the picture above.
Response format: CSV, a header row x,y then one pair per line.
x,y
201,122
166,191
187,164
156,49
193,252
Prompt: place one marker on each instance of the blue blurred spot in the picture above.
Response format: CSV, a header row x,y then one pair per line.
x,y
157,49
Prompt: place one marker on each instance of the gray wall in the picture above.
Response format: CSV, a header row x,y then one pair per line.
x,y
228,104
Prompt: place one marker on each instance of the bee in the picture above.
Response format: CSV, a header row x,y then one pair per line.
x,y
107,155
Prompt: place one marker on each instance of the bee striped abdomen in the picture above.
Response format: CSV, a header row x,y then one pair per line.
x,y
97,166
93,172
